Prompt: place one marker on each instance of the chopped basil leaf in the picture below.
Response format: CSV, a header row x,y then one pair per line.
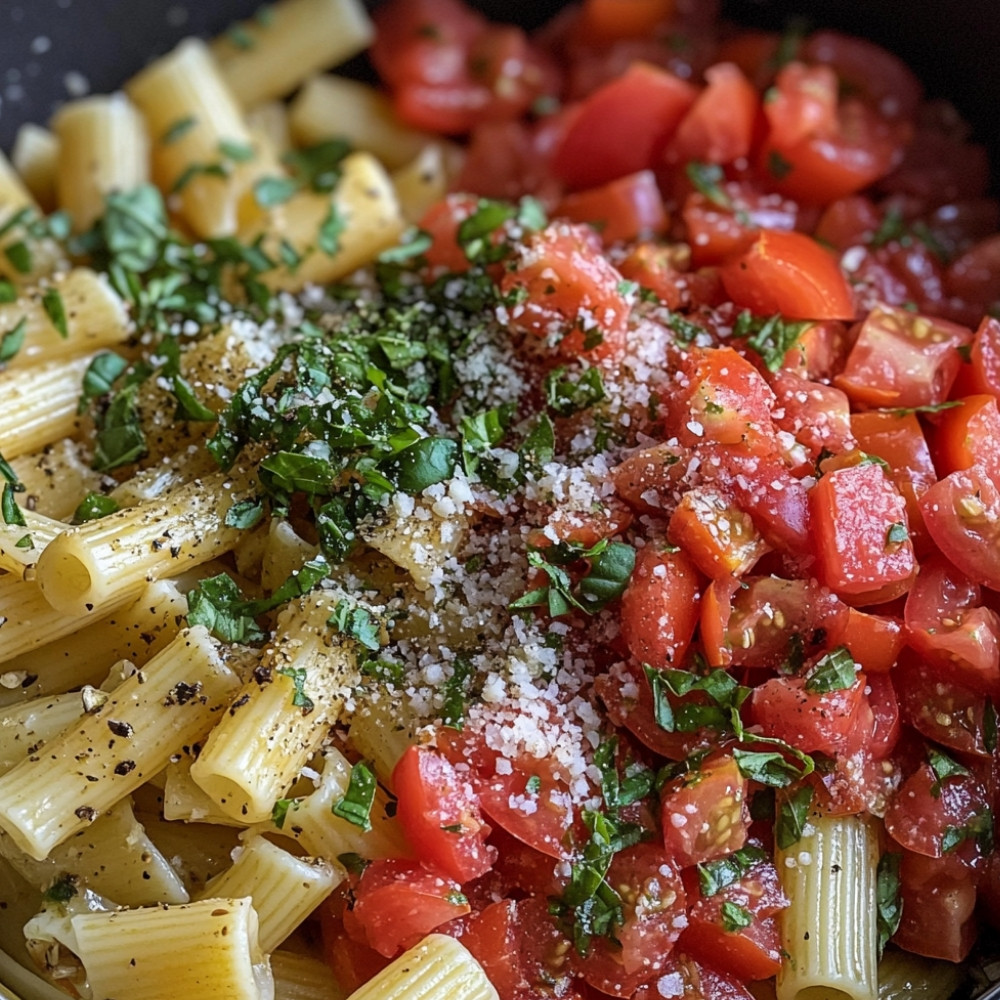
x,y
777,166
538,447
238,152
52,303
24,542
943,767
621,788
8,291
100,377
330,231
197,170
244,514
897,534
734,917
978,829
279,812
120,438
9,475
217,603
178,130
354,863
358,623
19,256
926,408
707,179
475,233
356,804
269,192
834,671
13,340
888,900
430,460
318,167
533,785
189,407
456,693
566,396
94,506
62,890
9,508
771,337
772,767
793,814
299,697
714,876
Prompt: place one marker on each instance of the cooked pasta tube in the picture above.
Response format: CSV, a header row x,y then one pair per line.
x,y
829,930
113,856
332,234
103,148
439,968
35,156
185,800
40,405
423,181
25,256
334,107
168,704
22,544
311,821
284,553
270,119
302,977
55,479
204,949
381,731
23,728
282,715
201,146
284,888
72,314
269,56
64,655
89,568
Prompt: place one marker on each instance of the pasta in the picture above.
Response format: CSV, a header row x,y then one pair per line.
x,y
523,528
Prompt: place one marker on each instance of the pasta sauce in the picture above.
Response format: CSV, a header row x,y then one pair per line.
x,y
566,566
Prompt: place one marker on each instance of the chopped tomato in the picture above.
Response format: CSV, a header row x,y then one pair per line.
x,y
874,641
848,222
647,479
947,625
938,918
982,373
863,548
718,127
629,208
942,812
736,929
962,514
654,904
659,269
439,813
687,979
704,812
603,21
491,935
818,416
563,290
903,359
397,902
975,276
660,606
791,274
967,435
824,721
720,539
351,962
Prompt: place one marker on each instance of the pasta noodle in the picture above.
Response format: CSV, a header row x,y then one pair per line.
x,y
35,157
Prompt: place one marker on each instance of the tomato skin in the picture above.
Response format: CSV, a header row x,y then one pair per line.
x,y
660,606
874,641
962,514
718,127
808,720
901,359
720,539
967,435
982,373
854,511
628,208
975,276
491,935
752,952
938,908
351,962
622,127
704,813
817,415
791,274
572,292
683,977
603,21
432,801
397,902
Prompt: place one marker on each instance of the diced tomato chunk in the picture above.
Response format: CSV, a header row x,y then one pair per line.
x,y
629,208
967,435
720,539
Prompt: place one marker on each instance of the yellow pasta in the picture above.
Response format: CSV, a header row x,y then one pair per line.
x,y
55,479
103,148
272,54
21,545
302,977
35,157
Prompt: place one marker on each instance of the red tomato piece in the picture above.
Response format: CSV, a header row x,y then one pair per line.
x,y
660,606
704,812
439,813
648,479
492,937
809,720
975,276
937,815
874,641
962,514
654,903
659,269
629,208
750,952
571,293
818,416
880,77
720,539
982,374
543,952
622,127
686,979
903,359
604,21
863,550
396,903
848,222
718,127
351,962
947,626
938,909
802,104
441,222
791,274
940,709
967,435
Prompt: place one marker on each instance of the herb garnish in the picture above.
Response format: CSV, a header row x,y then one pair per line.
x,y
356,804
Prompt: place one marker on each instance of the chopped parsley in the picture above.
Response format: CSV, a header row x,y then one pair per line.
x,y
94,506
771,337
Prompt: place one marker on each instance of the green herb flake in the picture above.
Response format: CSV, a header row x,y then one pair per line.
x,y
989,727
9,508
20,256
218,604
279,812
734,917
356,804
331,229
299,697
238,152
714,876
708,179
944,767
245,514
354,863
533,785
178,130
52,303
62,890
93,507
771,337
834,671
13,340
778,167
358,623
565,395
897,534
24,542
889,904
456,693
8,291
793,814
269,192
